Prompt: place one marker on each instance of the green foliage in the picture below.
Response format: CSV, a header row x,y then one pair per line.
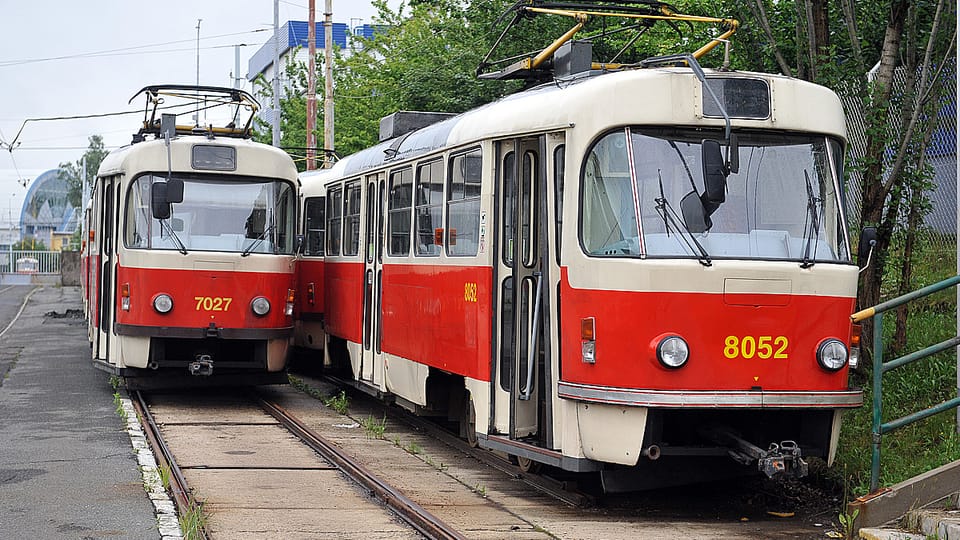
x,y
848,524
339,402
30,243
192,523
373,427
931,442
73,172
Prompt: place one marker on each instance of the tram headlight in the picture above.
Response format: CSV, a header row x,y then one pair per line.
x,y
163,303
260,306
673,352
832,354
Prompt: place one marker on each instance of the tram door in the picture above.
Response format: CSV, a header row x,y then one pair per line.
x,y
371,366
104,237
522,288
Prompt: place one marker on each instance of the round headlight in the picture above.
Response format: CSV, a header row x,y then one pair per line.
x,y
673,352
162,303
260,306
832,354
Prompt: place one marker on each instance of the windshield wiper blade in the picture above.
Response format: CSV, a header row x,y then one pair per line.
x,y
173,234
672,221
259,240
811,236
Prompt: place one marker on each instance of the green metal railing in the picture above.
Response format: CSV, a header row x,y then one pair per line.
x,y
879,368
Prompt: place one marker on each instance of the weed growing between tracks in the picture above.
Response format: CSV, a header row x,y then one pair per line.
x,y
373,427
193,523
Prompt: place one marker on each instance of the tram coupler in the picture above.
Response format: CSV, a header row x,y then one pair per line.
x,y
778,459
201,366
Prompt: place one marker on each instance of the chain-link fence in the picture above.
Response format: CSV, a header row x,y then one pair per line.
x,y
941,153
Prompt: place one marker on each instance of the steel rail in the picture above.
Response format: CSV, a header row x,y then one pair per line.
x,y
178,484
408,510
551,487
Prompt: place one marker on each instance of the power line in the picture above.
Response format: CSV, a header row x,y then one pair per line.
x,y
125,50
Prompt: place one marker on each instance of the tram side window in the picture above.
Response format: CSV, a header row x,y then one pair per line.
x,y
429,207
558,163
463,204
314,210
351,218
334,220
398,221
609,223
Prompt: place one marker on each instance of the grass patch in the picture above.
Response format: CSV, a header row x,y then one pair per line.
x,y
373,427
192,523
339,402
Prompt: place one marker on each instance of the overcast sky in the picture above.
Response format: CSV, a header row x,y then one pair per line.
x,y
67,58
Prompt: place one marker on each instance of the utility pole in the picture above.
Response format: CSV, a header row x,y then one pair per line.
x,y
328,80
276,72
312,87
236,66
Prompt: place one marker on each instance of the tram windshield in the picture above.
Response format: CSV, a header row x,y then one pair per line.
x,y
644,196
236,215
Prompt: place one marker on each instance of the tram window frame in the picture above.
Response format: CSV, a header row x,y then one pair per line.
x,y
464,188
399,211
314,226
428,207
529,217
559,157
334,219
352,196
507,229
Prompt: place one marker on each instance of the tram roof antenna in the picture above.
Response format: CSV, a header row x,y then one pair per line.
x,y
538,65
193,98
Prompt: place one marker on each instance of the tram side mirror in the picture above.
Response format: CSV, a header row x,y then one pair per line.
x,y
298,247
160,206
174,190
868,239
694,217
714,176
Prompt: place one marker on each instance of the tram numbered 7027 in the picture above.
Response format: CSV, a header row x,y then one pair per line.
x,y
191,245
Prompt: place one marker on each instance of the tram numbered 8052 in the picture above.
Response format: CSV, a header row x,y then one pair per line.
x,y
592,282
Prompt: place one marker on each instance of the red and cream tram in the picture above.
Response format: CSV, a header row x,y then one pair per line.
x,y
644,272
191,246
308,331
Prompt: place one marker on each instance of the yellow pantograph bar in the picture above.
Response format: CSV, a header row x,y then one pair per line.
x,y
582,16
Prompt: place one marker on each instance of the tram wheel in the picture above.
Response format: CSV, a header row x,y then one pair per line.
x,y
528,465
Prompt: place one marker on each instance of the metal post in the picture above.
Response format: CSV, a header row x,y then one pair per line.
x,y
312,87
236,66
276,73
328,79
877,400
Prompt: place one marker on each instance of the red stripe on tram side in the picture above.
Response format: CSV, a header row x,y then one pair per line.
x,y
439,315
735,343
201,297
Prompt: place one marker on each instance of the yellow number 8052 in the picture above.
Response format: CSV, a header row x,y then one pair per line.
x,y
760,346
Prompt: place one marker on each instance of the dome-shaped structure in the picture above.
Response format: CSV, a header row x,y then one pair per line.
x,y
46,207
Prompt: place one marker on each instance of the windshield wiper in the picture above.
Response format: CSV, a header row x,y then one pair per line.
x,y
259,240
672,221
173,234
811,236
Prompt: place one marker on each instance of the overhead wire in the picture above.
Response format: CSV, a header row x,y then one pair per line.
x,y
130,50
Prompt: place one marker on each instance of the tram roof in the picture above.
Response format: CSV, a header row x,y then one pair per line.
x,y
587,101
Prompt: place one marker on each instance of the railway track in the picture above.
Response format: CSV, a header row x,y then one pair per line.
x,y
563,490
254,478
195,498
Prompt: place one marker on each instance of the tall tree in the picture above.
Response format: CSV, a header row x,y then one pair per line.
x,y
73,173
